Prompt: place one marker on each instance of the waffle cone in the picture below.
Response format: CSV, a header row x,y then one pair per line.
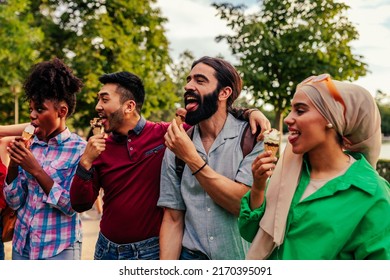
x,y
179,121
98,130
271,147
27,135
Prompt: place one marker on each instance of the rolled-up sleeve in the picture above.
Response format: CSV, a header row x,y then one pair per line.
x,y
248,221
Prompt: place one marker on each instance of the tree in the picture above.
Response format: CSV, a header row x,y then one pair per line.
x,y
287,41
96,37
383,102
18,42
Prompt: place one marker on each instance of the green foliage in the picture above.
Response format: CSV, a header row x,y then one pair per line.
x,y
287,41
18,42
97,37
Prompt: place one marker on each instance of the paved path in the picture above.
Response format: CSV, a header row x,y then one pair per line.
x,y
90,225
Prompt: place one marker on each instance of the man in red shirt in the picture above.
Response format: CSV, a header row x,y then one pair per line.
x,y
3,172
127,165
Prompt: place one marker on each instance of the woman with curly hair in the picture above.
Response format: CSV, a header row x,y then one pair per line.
x,y
39,174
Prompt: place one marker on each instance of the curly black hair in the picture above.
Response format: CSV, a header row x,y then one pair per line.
x,y
54,81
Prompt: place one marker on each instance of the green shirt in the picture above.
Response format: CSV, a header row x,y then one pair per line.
x,y
347,219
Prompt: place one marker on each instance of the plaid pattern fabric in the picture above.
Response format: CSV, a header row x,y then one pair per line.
x,y
47,222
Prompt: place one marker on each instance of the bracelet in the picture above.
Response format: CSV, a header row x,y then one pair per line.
x,y
200,168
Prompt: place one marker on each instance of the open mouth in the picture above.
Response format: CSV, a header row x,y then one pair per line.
x,y
191,103
293,136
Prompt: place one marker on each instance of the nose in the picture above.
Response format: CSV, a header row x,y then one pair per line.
x,y
33,115
288,120
98,107
189,86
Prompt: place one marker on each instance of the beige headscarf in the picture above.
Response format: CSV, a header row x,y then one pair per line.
x,y
361,128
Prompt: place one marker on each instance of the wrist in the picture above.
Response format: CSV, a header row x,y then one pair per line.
x,y
248,113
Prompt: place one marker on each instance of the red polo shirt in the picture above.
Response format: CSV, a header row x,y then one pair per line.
x,y
129,173
3,172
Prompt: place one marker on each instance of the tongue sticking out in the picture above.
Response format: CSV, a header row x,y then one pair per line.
x,y
192,106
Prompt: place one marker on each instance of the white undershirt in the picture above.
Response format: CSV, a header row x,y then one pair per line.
x,y
316,184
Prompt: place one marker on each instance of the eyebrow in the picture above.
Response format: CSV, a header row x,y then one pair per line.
x,y
101,94
197,76
300,104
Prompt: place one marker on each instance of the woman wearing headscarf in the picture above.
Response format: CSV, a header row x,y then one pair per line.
x,y
325,199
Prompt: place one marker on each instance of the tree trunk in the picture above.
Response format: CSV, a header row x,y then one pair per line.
x,y
15,91
279,126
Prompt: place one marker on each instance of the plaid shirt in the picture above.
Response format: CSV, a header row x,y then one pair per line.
x,y
47,221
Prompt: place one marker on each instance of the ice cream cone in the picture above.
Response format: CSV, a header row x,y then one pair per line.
x,y
179,120
28,133
271,147
98,130
271,141
97,126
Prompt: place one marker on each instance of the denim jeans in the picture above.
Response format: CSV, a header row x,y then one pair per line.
x,y
148,249
187,254
73,252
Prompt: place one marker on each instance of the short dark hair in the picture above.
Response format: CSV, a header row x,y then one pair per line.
x,y
54,81
130,87
226,75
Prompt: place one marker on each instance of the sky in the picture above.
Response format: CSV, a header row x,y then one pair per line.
x,y
193,25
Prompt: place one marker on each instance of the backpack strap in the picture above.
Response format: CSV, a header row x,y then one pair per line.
x,y
179,162
248,140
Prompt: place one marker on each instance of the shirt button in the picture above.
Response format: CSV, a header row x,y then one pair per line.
x,y
209,209
211,238
131,148
128,140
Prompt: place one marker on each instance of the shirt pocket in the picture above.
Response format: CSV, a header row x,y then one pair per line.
x,y
60,170
155,150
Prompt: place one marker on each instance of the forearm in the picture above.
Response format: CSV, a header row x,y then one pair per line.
x,y
44,180
171,235
12,130
224,191
256,198
82,191
12,172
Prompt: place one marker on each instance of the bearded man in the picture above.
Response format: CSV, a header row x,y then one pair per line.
x,y
201,208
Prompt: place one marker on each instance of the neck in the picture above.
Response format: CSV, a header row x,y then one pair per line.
x,y
130,121
327,164
210,128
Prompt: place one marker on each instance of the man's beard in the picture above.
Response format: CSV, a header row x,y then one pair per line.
x,y
206,107
115,119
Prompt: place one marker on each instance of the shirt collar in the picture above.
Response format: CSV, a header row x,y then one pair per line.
x,y
356,175
137,130
58,139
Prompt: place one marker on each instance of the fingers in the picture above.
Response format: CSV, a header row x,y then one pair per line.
x,y
263,165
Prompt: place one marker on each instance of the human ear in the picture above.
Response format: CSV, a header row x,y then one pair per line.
x,y
130,106
63,110
225,93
